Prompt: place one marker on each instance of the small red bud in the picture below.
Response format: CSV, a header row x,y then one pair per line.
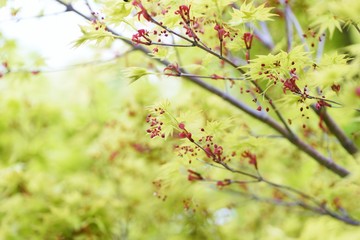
x,y
182,126
182,135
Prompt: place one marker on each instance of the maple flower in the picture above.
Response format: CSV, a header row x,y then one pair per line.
x,y
321,103
173,70
251,157
248,37
143,12
184,12
208,152
218,150
141,34
222,33
194,176
290,84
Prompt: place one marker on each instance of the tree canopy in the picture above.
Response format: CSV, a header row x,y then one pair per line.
x,y
192,120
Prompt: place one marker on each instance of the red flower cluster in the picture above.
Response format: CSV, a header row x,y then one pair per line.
x,y
222,33
185,133
251,157
290,84
172,70
216,154
184,12
321,103
143,12
155,129
248,38
141,37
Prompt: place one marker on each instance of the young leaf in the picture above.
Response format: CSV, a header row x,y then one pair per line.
x,y
91,33
250,13
135,73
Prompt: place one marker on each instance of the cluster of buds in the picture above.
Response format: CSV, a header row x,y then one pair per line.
x,y
184,12
141,37
248,38
215,152
172,70
321,103
98,21
155,129
290,84
185,133
222,33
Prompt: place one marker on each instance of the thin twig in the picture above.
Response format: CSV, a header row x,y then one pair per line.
x,y
171,44
212,77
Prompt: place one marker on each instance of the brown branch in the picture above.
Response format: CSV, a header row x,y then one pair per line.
x,y
346,142
299,198
316,209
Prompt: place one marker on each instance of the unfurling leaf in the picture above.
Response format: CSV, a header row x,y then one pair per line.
x,y
249,13
97,33
136,73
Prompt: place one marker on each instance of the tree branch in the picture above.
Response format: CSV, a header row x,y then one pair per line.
x,y
261,116
346,142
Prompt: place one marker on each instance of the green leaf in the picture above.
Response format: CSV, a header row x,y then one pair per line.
x,y
116,11
135,73
328,22
96,33
250,13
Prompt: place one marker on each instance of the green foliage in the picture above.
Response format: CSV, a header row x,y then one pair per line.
x,y
3,3
127,150
96,32
330,15
249,13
